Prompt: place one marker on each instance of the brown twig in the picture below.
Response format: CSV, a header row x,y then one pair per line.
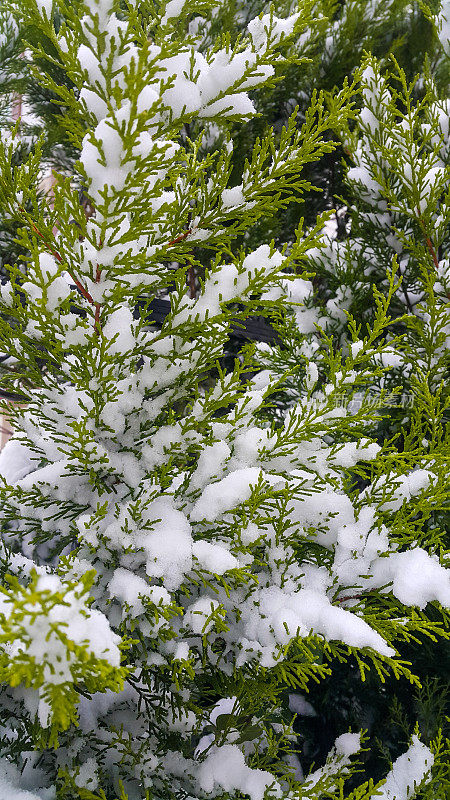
x,y
180,238
191,281
97,324
60,260
350,597
432,251
429,243
84,291
36,230
348,152
17,107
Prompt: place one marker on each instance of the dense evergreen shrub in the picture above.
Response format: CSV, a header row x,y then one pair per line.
x,y
174,554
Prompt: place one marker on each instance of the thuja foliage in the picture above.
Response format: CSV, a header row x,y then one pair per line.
x,y
332,45
397,188
172,561
11,84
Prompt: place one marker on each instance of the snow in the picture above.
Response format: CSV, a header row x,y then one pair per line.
x,y
99,704
211,463
225,768
405,488
118,331
147,98
45,7
168,545
177,515
7,294
348,744
338,760
52,617
350,453
390,358
324,510
231,105
81,624
16,461
356,347
110,175
219,75
312,375
224,495
94,104
127,587
11,783
407,773
87,777
184,96
182,652
443,26
299,705
215,558
172,9
434,180
414,577
48,265
226,705
307,610
90,64
21,565
233,197
198,613
369,187
260,27
50,475
56,292
251,533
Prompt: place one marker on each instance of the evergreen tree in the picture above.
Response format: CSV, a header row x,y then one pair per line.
x,y
170,562
398,190
329,50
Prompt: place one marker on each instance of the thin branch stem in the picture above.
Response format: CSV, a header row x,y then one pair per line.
x,y
79,285
60,260
97,323
180,238
429,243
350,597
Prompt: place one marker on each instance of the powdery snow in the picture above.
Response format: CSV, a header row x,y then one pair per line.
x,y
260,27
308,610
118,331
443,25
197,615
173,9
148,535
129,588
338,760
214,557
87,777
12,784
299,705
16,461
407,773
168,545
348,744
224,495
414,577
225,767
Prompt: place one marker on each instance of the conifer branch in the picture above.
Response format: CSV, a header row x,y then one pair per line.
x,y
179,238
429,243
60,260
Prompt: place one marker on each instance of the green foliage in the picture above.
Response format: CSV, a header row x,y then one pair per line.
x,y
238,533
398,190
37,652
